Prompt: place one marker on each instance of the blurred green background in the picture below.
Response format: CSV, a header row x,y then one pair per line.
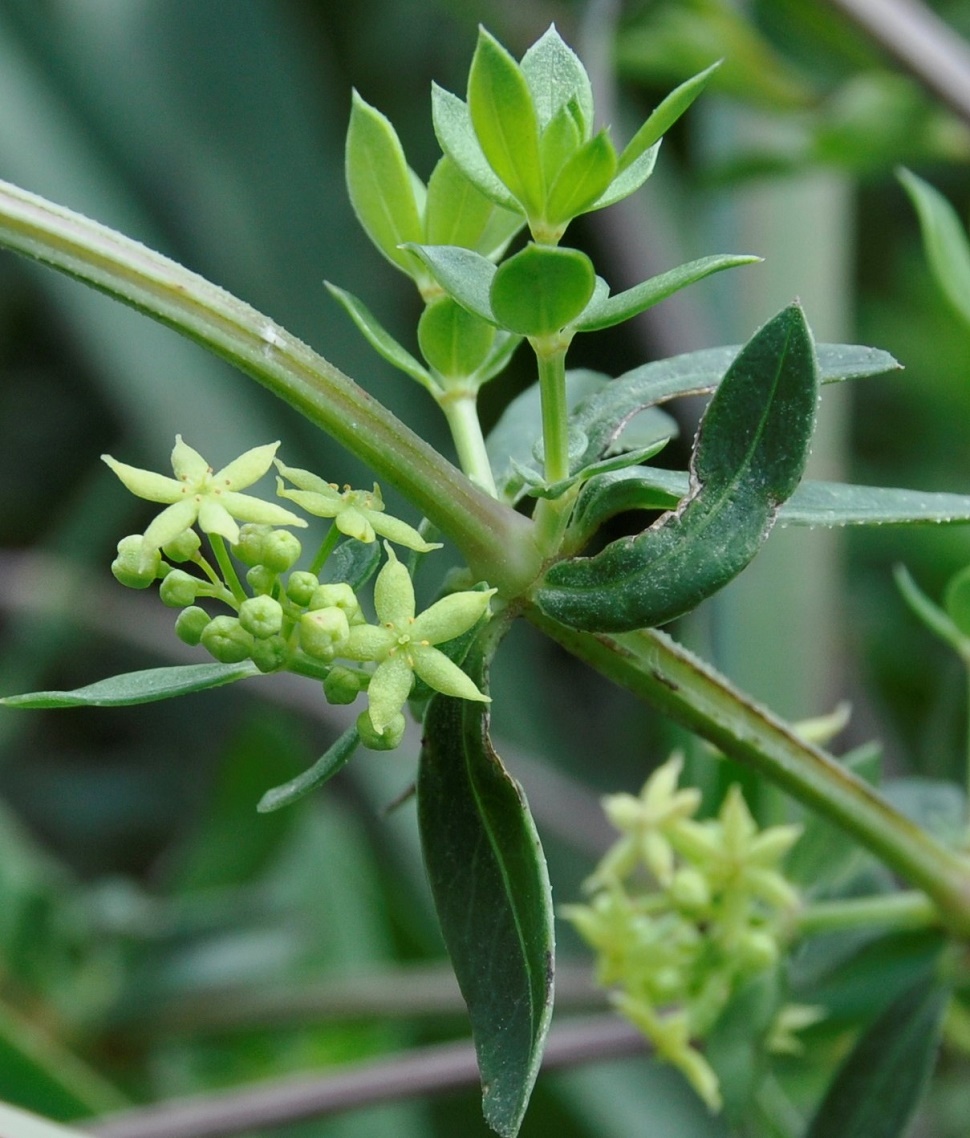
x,y
157,937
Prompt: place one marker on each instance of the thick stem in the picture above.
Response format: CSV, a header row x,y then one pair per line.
x,y
662,673
496,541
461,411
897,911
555,413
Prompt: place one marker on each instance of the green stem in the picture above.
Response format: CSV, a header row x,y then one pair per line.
x,y
224,561
327,546
461,411
662,673
910,910
551,358
496,541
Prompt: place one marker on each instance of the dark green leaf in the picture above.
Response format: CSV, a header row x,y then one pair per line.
x,y
582,180
16,1123
956,599
353,563
140,687
464,275
944,239
379,338
504,118
936,806
735,1047
615,309
491,891
750,454
879,1086
665,115
540,290
841,504
456,137
556,77
336,757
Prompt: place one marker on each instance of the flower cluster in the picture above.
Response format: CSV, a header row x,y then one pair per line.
x,y
682,912
285,618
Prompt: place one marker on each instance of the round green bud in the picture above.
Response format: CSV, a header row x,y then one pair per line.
x,y
281,550
262,616
131,567
343,685
387,740
757,949
689,890
249,548
271,654
190,624
179,589
225,639
323,632
300,587
184,547
340,596
260,579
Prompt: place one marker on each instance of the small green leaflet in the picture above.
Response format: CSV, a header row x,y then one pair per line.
x,y
944,239
335,758
139,687
750,454
492,894
879,1086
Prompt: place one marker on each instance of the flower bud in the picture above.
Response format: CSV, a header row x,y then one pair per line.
x,y
260,579
226,640
184,547
387,740
342,685
757,949
262,616
300,587
323,632
689,890
340,596
271,654
190,624
249,548
179,589
131,567
281,550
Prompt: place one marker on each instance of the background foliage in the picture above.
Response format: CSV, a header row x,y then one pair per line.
x,y
157,938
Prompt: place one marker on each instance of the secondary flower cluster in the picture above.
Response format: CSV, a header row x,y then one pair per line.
x,y
683,912
286,618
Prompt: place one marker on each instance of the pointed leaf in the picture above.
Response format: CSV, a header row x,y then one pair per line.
x,y
333,760
555,77
379,338
140,687
628,181
380,184
750,454
624,305
458,213
665,115
936,619
944,239
504,118
879,1086
464,275
352,563
540,290
582,180
491,891
456,137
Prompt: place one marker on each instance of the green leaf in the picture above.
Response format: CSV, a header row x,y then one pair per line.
x,y
353,563
628,181
558,142
956,599
541,289
16,1123
139,687
454,341
333,760
665,115
750,454
556,77
492,894
944,239
464,275
380,184
504,118
458,213
456,137
879,1086
615,309
843,504
380,339
735,1047
582,180
935,619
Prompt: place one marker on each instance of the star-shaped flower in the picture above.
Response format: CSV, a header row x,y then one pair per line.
x,y
402,644
197,494
356,513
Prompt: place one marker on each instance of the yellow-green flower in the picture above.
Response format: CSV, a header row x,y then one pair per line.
x,y
199,495
356,513
402,644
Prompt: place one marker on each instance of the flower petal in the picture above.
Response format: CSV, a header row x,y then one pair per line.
x,y
305,480
354,523
443,675
399,532
215,518
171,523
451,616
189,466
145,483
388,690
394,594
247,468
368,642
320,505
246,508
